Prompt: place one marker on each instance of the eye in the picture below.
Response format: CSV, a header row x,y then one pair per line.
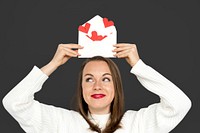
x,y
106,79
89,80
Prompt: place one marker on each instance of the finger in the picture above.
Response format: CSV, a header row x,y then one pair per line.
x,y
67,49
119,49
122,44
72,46
70,52
71,55
122,54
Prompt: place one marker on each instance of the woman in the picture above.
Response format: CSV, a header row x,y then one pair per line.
x,y
99,97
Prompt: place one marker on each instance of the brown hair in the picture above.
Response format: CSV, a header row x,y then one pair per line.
x,y
117,105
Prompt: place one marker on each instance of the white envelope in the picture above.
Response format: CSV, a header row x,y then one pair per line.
x,y
97,36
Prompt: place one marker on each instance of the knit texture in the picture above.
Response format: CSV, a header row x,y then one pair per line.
x,y
35,117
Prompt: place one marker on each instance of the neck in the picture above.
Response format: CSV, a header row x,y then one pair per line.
x,y
99,111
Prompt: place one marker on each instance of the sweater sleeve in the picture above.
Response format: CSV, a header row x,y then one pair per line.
x,y
33,117
164,116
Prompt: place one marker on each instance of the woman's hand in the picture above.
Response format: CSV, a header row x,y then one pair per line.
x,y
63,53
127,51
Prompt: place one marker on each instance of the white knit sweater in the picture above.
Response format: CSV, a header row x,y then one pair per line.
x,y
35,117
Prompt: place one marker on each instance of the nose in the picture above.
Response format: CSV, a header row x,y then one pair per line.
x,y
97,85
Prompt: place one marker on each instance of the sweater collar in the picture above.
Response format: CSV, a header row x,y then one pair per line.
x,y
99,119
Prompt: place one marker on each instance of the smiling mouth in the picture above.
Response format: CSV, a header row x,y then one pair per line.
x,y
98,96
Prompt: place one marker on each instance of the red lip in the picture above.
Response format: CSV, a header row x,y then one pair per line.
x,y
98,96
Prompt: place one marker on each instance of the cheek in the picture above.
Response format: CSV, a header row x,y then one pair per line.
x,y
111,91
86,92
112,94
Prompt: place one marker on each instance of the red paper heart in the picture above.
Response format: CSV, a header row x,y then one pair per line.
x,y
107,23
96,37
85,28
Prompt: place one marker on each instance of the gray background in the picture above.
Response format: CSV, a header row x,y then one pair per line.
x,y
166,33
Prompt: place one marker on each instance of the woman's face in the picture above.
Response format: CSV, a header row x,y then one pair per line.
x,y
98,88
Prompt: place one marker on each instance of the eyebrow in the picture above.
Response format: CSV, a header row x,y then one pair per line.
x,y
107,74
88,74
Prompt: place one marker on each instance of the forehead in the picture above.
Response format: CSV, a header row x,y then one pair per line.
x,y
96,67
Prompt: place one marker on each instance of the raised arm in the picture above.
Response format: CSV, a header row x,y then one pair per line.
x,y
35,117
160,117
164,116
63,54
